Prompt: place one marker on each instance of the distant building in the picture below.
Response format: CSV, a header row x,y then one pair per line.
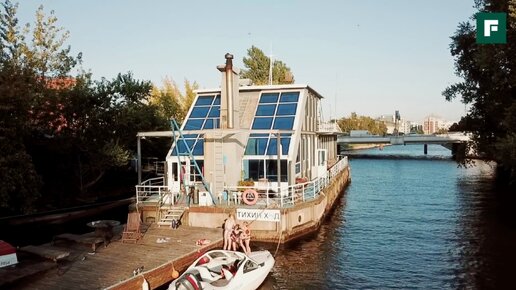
x,y
432,124
390,123
415,127
388,120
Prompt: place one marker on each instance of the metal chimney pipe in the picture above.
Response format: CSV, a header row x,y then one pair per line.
x,y
229,89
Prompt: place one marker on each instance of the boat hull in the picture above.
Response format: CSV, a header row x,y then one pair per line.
x,y
213,271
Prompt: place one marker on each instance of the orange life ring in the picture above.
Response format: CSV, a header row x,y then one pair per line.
x,y
250,196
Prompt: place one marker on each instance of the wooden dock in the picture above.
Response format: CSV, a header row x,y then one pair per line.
x,y
112,267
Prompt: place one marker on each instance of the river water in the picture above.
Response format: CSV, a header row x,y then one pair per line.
x,y
408,223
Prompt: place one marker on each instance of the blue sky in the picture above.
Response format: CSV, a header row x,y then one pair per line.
x,y
371,57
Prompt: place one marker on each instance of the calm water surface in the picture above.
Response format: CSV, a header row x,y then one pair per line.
x,y
409,224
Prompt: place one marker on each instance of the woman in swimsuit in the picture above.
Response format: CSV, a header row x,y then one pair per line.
x,y
228,229
245,238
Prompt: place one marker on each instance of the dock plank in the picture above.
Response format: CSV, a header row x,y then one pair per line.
x,y
46,252
111,265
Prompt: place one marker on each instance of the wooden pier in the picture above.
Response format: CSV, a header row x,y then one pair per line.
x,y
110,267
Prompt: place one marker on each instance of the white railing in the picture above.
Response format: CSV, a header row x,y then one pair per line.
x,y
154,191
288,196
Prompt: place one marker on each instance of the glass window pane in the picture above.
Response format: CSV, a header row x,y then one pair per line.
x,y
217,100
204,100
259,135
190,136
265,110
193,124
284,173
262,123
285,143
189,142
199,112
208,124
286,109
269,98
250,149
256,146
199,147
181,147
272,149
215,112
256,169
271,170
283,123
289,97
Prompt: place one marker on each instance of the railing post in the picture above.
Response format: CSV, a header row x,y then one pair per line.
x,y
267,195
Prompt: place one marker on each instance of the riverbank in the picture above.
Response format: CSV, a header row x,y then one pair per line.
x,y
352,147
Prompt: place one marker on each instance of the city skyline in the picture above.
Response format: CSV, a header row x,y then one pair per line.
x,y
368,57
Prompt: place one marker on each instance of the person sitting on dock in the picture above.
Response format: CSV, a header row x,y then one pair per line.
x,y
229,224
245,238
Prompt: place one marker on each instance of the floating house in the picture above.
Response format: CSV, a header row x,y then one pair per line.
x,y
262,152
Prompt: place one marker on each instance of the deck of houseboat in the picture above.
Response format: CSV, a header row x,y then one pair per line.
x,y
112,266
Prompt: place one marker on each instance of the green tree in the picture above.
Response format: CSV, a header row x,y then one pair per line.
x,y
12,39
189,96
170,101
488,85
19,182
120,108
258,66
355,122
46,53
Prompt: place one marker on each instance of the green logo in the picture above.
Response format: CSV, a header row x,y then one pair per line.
x,y
491,28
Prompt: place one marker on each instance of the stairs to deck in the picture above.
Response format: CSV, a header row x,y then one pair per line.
x,y
170,214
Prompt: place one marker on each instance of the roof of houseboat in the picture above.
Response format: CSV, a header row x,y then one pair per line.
x,y
265,88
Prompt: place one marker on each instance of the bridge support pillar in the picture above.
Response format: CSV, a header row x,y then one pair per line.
x,y
425,149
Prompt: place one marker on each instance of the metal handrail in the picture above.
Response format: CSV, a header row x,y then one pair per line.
x,y
292,194
153,190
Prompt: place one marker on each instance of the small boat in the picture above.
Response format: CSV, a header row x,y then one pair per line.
x,y
221,269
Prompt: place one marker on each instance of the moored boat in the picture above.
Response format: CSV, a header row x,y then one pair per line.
x,y
221,269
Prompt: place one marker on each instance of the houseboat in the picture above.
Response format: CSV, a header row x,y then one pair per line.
x,y
260,152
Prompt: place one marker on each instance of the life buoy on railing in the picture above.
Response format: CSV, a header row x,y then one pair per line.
x,y
250,196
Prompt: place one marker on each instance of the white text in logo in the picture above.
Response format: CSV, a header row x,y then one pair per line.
x,y
490,25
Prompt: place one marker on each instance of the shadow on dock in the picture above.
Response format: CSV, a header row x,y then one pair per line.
x,y
72,264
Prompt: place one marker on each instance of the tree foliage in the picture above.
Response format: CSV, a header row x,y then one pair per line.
x,y
171,103
355,122
60,134
489,86
258,67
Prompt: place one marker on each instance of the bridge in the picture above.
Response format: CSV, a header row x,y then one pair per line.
x,y
456,137
451,141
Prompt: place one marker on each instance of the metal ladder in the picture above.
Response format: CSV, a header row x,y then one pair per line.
x,y
198,173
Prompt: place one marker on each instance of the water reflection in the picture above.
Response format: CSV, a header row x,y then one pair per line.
x,y
407,224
